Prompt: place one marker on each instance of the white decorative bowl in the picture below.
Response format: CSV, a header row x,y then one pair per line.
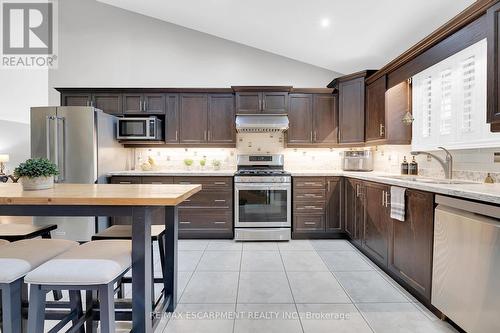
x,y
37,183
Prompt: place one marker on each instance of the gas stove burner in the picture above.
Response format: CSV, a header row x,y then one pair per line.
x,y
262,172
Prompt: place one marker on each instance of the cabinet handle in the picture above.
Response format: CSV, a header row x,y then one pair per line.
x,y
87,103
208,135
219,183
185,183
309,223
219,200
125,182
185,222
205,135
260,105
311,136
157,183
357,190
328,186
315,137
310,183
176,135
263,104
381,129
383,199
387,199
219,222
187,200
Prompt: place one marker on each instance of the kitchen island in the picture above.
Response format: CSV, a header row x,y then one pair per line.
x,y
137,201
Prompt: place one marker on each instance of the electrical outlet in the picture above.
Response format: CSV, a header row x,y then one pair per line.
x,y
496,157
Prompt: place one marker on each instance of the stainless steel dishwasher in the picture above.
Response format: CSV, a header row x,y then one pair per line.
x,y
466,264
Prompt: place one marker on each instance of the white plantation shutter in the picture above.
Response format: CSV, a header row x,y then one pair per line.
x,y
449,103
426,106
445,109
468,80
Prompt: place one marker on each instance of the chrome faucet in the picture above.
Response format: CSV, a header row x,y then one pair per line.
x,y
447,163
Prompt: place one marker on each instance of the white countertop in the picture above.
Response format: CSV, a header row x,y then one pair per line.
x,y
477,191
180,172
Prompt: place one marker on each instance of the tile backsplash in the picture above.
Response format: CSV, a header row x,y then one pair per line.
x,y
472,164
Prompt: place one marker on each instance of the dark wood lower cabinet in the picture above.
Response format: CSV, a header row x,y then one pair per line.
x,y
403,249
411,243
375,237
316,207
207,214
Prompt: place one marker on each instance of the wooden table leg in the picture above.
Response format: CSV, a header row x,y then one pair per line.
x,y
171,256
141,271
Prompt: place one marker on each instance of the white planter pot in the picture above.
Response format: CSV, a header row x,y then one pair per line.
x,y
37,183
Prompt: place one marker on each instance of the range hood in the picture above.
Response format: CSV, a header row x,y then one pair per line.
x,y
258,123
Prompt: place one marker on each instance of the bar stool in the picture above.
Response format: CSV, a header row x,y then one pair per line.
x,y
95,265
16,260
124,232
16,231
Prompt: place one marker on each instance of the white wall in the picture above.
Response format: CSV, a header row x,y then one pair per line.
x,y
19,90
104,46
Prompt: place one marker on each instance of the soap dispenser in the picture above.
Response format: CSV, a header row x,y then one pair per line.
x,y
404,166
413,167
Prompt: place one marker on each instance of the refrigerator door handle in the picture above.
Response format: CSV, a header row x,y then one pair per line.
x,y
47,136
60,148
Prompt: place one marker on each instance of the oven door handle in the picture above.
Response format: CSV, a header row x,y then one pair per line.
x,y
264,186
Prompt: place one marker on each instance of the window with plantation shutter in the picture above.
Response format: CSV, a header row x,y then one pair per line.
x,y
449,103
468,81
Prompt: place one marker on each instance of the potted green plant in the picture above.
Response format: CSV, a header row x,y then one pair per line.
x,y
188,162
216,164
36,174
203,162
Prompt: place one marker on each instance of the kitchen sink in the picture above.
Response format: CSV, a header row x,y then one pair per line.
x,y
430,180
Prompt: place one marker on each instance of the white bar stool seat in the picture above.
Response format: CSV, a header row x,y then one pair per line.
x,y
17,259
95,265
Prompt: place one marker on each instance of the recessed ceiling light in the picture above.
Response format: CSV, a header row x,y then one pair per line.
x,y
325,23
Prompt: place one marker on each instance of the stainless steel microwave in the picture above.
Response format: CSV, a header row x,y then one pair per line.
x,y
129,128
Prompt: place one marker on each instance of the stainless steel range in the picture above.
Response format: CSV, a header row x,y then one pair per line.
x,y
262,197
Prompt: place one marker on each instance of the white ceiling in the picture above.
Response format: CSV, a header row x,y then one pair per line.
x,y
340,35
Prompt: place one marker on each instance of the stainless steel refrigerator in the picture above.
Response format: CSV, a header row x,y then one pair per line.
x,y
81,141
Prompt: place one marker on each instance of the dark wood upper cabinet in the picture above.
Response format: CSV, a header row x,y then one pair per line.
x,y
221,118
333,211
375,110
154,103
248,102
254,101
172,118
352,111
110,103
313,120
376,230
301,119
140,103
397,104
76,99
493,76
132,103
411,243
325,119
193,118
274,102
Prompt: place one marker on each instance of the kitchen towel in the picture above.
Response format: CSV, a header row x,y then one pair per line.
x,y
398,203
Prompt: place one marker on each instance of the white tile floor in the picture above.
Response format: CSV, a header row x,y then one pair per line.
x,y
299,286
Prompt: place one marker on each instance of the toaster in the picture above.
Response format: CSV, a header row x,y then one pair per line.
x,y
357,160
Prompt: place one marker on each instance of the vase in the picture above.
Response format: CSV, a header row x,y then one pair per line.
x,y
37,183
